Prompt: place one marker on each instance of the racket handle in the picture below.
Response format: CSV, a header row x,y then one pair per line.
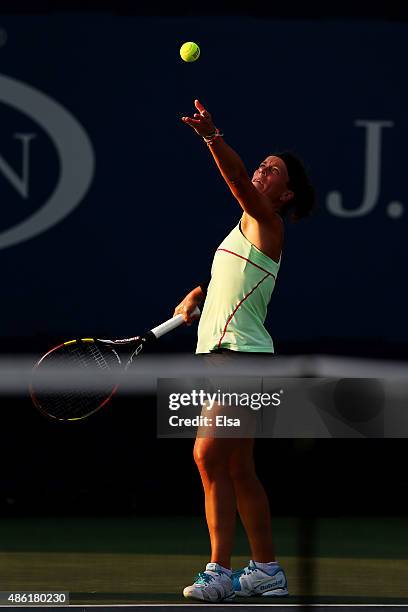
x,y
172,323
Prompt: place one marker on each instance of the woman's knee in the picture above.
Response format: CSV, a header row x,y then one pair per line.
x,y
209,455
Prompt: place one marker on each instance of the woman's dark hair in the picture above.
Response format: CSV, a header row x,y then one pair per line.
x,y
303,202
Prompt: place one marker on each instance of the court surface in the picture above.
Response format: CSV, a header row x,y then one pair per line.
x,y
148,560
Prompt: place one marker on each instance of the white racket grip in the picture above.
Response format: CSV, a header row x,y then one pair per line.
x,y
172,323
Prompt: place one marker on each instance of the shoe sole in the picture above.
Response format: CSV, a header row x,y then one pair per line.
x,y
228,598
276,593
273,593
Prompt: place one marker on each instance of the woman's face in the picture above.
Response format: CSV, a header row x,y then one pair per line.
x,y
271,177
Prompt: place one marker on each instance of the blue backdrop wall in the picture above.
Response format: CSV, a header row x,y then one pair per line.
x,y
105,193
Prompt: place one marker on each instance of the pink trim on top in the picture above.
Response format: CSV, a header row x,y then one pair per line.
x,y
251,262
238,305
247,295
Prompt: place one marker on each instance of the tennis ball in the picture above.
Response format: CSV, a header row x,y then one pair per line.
x,y
189,52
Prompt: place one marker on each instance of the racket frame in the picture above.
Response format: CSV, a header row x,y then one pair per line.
x,y
152,334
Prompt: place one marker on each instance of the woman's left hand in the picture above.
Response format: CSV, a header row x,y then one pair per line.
x,y
202,122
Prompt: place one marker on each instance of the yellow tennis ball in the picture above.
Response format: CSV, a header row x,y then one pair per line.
x,y
189,52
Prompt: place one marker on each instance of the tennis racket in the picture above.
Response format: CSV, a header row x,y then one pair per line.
x,y
91,369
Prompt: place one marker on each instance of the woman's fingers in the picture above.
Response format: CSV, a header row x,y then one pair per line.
x,y
200,122
197,117
184,312
192,122
203,112
199,106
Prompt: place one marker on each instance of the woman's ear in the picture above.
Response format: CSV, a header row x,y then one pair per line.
x,y
286,196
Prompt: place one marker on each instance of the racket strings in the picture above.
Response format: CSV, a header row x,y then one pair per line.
x,y
72,405
77,358
98,357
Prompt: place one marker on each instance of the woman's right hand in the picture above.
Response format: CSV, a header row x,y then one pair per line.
x,y
189,304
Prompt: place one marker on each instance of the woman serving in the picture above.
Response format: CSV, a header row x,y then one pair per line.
x,y
243,276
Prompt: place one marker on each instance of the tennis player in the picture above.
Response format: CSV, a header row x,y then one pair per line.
x,y
244,272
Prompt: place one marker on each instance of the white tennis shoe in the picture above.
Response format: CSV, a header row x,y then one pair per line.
x,y
212,585
252,581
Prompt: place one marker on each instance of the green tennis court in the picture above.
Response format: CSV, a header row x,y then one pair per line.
x,y
150,560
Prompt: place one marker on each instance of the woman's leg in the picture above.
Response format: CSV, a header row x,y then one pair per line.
x,y
212,456
252,502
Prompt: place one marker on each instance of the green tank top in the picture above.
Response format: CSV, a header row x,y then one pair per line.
x,y
242,281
